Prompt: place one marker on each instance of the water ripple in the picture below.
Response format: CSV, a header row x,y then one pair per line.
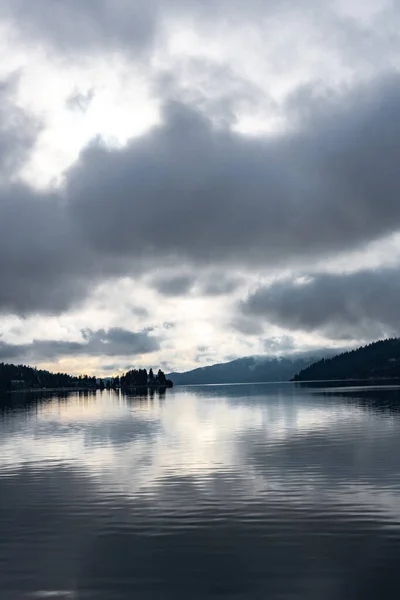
x,y
242,492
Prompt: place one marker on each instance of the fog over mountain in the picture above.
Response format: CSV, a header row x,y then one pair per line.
x,y
252,369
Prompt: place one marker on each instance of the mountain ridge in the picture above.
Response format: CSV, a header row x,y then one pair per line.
x,y
251,369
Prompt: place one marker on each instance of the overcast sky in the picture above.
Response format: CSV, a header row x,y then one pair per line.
x,y
184,182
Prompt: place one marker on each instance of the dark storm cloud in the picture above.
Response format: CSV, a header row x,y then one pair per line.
x,y
114,342
363,305
190,194
178,285
44,263
207,195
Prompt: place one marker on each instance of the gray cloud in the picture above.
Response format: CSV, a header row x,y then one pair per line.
x,y
72,25
173,285
140,311
215,89
81,101
217,284
41,251
247,325
203,349
113,367
363,305
199,196
224,198
18,131
131,26
45,264
204,355
213,283
113,342
276,345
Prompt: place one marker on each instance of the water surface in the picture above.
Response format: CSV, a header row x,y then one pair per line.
x,y
242,491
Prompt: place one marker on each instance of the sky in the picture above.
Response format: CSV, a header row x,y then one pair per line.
x,y
186,182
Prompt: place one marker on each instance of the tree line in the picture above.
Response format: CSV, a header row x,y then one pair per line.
x,y
379,360
22,377
14,377
140,378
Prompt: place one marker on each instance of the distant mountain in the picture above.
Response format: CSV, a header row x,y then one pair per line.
x,y
251,369
380,360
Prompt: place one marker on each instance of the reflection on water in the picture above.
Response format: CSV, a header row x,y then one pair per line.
x,y
253,491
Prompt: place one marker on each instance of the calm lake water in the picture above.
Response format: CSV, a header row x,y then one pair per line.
x,y
242,491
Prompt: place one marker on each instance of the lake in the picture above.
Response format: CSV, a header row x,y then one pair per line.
x,y
237,491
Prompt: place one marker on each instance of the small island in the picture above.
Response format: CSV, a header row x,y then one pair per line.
x,y
136,379
139,378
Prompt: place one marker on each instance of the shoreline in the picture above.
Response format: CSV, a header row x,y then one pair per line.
x,y
85,389
50,390
349,379
165,387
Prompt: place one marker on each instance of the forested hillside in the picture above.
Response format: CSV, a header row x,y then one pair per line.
x,y
380,360
251,369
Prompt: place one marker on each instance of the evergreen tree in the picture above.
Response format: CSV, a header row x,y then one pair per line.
x,y
161,377
152,379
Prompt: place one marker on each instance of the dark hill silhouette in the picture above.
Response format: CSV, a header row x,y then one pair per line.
x,y
380,360
251,369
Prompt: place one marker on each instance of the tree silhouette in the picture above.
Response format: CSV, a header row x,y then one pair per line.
x,y
151,379
380,360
